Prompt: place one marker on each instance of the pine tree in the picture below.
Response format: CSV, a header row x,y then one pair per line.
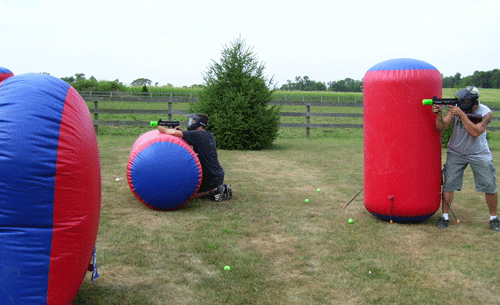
x,y
235,98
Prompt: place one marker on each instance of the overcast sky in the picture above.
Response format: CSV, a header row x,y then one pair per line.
x,y
176,41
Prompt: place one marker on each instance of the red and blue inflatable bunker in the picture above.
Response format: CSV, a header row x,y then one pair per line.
x,y
163,171
50,190
5,73
402,147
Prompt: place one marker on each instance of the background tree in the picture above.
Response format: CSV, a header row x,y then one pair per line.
x,y
235,97
80,83
346,85
80,76
495,78
303,84
452,81
141,82
68,79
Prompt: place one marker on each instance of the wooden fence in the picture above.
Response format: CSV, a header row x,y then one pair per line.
x,y
169,99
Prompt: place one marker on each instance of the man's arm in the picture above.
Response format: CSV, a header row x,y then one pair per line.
x,y
475,130
175,132
442,122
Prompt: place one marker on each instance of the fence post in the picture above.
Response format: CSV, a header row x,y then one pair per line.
x,y
96,117
308,116
170,108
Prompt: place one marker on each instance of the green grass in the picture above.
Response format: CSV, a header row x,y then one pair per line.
x,y
282,250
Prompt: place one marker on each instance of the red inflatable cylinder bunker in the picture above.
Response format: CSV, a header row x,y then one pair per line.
x,y
402,147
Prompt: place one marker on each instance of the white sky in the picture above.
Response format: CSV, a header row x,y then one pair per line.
x,y
176,41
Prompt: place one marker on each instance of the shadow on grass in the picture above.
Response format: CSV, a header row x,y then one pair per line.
x,y
90,294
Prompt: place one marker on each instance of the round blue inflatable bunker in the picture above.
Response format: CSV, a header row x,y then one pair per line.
x,y
163,171
50,190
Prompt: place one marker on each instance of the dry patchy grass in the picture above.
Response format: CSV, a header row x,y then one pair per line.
x,y
281,249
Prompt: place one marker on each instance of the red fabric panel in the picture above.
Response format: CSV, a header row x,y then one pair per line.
x,y
77,201
402,162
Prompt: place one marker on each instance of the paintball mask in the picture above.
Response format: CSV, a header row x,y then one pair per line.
x,y
467,98
195,121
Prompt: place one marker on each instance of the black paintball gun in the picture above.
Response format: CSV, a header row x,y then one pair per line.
x,y
168,124
474,118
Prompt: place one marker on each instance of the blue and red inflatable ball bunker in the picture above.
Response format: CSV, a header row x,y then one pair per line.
x,y
50,190
402,147
163,171
5,73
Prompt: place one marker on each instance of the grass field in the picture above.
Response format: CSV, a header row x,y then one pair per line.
x,y
281,249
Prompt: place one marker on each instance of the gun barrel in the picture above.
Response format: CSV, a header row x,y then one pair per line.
x,y
170,124
440,101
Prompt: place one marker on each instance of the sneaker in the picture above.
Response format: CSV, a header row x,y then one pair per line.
x,y
217,197
442,223
227,193
495,224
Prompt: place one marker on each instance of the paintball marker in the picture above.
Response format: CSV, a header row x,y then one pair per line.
x,y
474,118
440,101
169,124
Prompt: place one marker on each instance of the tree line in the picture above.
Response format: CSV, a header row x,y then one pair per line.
x,y
481,79
306,84
81,83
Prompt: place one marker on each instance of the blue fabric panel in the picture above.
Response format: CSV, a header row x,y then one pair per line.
x,y
165,175
30,115
403,219
24,265
5,70
402,64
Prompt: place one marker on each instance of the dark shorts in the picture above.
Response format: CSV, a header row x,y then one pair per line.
x,y
484,174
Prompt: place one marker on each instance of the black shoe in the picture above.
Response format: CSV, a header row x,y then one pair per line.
x,y
227,193
442,223
217,197
495,224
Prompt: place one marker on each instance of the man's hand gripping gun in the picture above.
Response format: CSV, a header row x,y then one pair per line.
x,y
474,118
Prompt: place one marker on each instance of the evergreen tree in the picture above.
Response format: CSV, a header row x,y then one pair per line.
x,y
235,97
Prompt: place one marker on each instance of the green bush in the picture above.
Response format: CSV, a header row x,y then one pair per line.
x,y
235,97
446,135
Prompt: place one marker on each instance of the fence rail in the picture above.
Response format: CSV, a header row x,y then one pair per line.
x,y
170,99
